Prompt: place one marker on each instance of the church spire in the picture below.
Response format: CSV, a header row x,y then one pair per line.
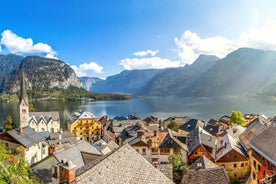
x,y
23,102
23,90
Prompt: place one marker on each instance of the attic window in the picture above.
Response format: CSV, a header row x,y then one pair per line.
x,y
188,126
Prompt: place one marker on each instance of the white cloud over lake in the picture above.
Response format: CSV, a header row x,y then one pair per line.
x,y
86,69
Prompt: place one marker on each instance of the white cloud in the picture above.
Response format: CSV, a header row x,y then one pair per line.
x,y
190,45
148,63
16,45
86,69
146,52
260,38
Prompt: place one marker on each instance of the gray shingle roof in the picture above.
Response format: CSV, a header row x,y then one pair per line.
x,y
254,129
124,165
265,144
28,138
191,125
205,163
73,153
206,176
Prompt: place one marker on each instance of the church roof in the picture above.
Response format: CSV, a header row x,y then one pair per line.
x,y
47,116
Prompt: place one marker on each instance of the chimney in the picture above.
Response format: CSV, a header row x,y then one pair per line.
x,y
21,130
67,171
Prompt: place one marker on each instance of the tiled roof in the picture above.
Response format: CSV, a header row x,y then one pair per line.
x,y
205,164
54,115
265,144
254,129
124,165
226,144
73,153
212,129
206,176
191,125
28,138
200,137
171,142
235,131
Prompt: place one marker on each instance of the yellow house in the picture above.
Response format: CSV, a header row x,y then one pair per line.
x,y
231,155
84,124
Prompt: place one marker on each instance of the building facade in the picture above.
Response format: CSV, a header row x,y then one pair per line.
x,y
84,124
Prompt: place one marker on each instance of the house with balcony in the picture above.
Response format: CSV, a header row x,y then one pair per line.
x,y
85,125
199,143
231,155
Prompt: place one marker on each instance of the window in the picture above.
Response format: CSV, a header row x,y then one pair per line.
x,y
259,167
254,176
235,165
254,164
137,150
223,165
144,151
242,164
196,153
235,175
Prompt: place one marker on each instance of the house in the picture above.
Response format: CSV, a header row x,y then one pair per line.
x,y
151,120
123,165
233,157
199,143
178,120
255,128
84,124
190,125
204,171
44,121
34,143
78,154
263,156
59,140
107,133
171,145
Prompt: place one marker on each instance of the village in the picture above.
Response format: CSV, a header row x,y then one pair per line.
x,y
134,150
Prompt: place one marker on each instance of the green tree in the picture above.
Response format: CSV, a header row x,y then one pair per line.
x,y
237,118
31,108
173,126
178,166
8,123
14,169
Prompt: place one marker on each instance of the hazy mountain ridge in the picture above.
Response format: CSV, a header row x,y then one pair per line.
x,y
245,71
128,81
87,82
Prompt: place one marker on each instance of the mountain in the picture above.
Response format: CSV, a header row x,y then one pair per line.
x,y
41,73
87,82
172,81
245,71
8,65
128,81
155,81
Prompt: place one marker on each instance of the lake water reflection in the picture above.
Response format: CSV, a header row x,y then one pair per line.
x,y
201,108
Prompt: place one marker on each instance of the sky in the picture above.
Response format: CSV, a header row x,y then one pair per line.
x,y
100,38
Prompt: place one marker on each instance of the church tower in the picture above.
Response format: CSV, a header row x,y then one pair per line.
x,y
23,103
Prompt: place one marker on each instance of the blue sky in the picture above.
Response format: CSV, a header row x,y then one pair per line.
x,y
103,37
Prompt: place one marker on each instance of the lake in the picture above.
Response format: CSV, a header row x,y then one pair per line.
x,y
201,108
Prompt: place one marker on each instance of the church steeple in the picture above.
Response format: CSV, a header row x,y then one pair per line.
x,y
23,102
